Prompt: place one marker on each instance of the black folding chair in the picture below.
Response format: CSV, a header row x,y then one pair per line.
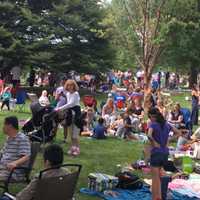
x,y
62,187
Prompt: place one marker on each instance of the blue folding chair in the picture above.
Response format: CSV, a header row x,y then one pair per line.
x,y
187,119
21,100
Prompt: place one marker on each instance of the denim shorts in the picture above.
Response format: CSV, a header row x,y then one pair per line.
x,y
158,159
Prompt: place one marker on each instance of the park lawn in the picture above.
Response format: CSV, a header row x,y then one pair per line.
x,y
96,156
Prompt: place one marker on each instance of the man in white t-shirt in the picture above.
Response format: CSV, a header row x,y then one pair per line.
x,y
16,73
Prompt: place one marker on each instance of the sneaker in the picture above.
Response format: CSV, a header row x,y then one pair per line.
x,y
76,152
72,150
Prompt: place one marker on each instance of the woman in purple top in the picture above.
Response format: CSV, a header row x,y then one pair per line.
x,y
158,135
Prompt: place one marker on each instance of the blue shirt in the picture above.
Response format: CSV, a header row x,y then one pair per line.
x,y
161,136
99,132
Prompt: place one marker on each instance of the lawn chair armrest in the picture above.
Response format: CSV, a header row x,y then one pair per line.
x,y
26,170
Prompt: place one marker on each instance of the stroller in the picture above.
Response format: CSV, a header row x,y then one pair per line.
x,y
41,126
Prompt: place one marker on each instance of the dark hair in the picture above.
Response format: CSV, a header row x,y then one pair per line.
x,y
54,154
101,120
13,121
158,115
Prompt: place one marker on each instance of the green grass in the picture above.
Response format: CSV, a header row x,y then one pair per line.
x,y
96,156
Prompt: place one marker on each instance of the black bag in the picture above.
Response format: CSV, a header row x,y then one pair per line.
x,y
129,181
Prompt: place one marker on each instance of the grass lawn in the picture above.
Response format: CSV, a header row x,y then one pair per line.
x,y
96,156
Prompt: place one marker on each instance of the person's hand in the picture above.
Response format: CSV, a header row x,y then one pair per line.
x,y
11,166
56,109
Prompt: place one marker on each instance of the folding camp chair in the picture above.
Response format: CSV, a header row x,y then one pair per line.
x,y
35,147
33,97
21,99
62,187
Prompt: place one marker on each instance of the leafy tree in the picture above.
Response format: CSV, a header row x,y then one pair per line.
x,y
61,34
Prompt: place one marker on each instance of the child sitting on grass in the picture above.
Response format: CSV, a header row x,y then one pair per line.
x,y
100,130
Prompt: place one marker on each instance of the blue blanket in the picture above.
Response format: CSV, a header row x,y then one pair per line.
x,y
143,194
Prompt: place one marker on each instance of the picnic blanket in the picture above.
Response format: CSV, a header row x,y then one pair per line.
x,y
143,194
190,188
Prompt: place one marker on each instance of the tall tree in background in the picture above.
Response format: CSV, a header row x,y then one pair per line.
x,y
61,34
149,20
184,37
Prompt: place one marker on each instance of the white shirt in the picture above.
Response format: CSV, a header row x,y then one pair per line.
x,y
44,101
73,99
16,72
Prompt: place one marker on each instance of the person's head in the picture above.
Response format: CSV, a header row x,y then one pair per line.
x,y
44,93
71,86
53,156
11,125
101,121
177,107
110,102
138,102
90,110
156,116
160,103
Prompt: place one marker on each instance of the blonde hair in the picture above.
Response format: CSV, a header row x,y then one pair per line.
x,y
71,82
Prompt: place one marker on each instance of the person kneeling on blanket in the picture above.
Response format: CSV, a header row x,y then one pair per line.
x,y
53,156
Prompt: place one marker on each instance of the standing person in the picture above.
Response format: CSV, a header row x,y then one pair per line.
x,y
73,114
6,96
16,73
158,135
32,77
195,105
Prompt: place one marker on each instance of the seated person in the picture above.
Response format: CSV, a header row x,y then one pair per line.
x,y
6,96
90,118
127,129
161,108
176,116
16,150
137,114
44,100
108,112
100,130
53,156
116,125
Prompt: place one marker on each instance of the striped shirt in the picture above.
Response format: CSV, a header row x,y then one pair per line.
x,y
14,149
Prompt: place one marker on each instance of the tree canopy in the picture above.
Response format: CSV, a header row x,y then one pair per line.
x,y
60,34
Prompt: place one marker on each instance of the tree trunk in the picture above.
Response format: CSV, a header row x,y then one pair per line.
x,y
147,88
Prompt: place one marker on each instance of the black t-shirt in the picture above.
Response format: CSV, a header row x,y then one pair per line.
x,y
138,111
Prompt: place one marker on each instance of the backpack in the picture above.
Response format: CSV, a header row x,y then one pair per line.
x,y
129,181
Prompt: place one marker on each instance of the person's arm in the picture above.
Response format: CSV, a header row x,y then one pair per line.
x,y
180,119
74,98
142,115
103,111
150,137
17,163
24,153
176,132
170,119
28,192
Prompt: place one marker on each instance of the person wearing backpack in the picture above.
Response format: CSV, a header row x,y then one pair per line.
x,y
158,135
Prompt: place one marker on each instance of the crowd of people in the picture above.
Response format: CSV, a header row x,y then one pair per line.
x,y
129,113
